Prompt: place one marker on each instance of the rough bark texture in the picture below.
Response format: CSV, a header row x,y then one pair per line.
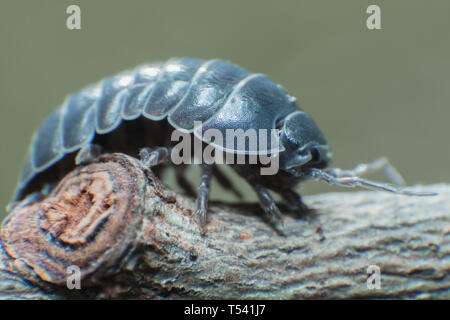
x,y
133,238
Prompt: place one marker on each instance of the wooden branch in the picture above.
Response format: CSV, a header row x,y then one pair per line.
x,y
131,237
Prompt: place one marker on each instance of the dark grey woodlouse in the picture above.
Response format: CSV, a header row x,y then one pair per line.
x,y
140,108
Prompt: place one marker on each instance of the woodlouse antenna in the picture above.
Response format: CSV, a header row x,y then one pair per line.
x,y
346,178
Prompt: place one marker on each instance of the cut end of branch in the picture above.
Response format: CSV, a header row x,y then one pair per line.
x,y
89,220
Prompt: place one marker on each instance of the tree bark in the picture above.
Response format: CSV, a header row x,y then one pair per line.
x,y
131,237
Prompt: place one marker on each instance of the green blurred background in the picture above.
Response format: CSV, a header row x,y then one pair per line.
x,y
373,93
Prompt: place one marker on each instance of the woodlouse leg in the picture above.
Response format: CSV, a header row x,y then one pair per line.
x,y
266,201
183,182
294,200
352,181
225,182
153,157
88,153
379,164
202,196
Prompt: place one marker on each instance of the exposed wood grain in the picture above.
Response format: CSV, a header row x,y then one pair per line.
x,y
149,244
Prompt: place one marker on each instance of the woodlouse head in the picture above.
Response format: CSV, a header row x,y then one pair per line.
x,y
303,142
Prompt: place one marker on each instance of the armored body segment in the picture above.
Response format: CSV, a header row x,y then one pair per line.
x,y
27,172
170,87
148,73
117,91
131,100
108,109
255,104
304,134
78,119
46,148
210,87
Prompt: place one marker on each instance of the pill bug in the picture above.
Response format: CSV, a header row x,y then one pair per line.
x,y
139,109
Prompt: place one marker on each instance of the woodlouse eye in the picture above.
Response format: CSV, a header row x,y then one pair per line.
x,y
315,155
279,124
